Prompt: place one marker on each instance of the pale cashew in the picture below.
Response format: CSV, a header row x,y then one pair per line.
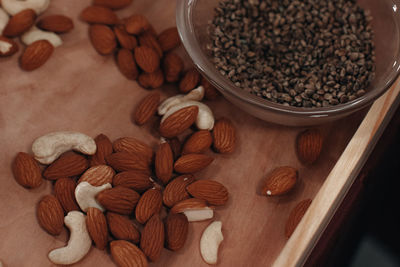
x,y
49,147
13,7
3,20
197,215
35,34
195,209
210,241
195,95
85,195
79,241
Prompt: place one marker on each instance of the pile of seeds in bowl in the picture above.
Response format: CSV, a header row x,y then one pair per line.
x,y
302,53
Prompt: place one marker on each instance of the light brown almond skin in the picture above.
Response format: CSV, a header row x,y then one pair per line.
x,y
26,171
36,55
309,146
295,216
164,162
119,199
124,39
151,80
189,81
96,224
149,204
13,48
179,121
172,67
198,142
149,40
121,227
147,108
188,204
136,24
176,231
169,39
147,59
126,254
279,181
126,64
224,136
135,146
152,239
99,15
124,161
113,4
175,191
50,215
103,39
20,23
98,175
191,163
67,165
213,192
56,23
136,180
64,190
104,148
210,92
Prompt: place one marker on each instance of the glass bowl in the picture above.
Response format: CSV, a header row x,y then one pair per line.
x,y
193,16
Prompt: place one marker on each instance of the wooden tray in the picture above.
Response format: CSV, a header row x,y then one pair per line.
x,y
79,90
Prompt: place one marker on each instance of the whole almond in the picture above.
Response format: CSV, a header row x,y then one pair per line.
x,y
198,142
104,148
8,47
172,66
67,165
152,239
26,171
189,204
99,15
20,23
136,180
36,54
164,162
124,39
309,145
135,146
295,216
147,59
96,224
213,192
189,80
175,191
102,38
119,199
126,64
136,24
64,190
191,163
176,231
147,108
224,136
169,39
149,40
149,204
98,175
56,23
113,4
124,161
50,215
151,80
179,121
121,227
210,92
126,254
279,181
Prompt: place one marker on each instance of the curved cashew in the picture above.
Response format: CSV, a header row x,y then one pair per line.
x,y
210,241
49,147
13,7
195,95
3,20
35,34
79,241
205,117
85,195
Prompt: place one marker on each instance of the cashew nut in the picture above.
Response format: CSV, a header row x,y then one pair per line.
x,y
194,209
13,7
49,147
197,215
3,20
210,241
195,95
34,34
79,241
85,195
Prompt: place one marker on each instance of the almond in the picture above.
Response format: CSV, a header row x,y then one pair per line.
x,y
175,191
164,162
126,254
172,67
124,161
194,209
149,40
50,215
121,227
138,181
7,47
36,54
295,216
189,81
124,39
20,23
210,92
135,146
152,239
224,136
118,199
309,145
98,175
96,224
56,23
102,38
147,108
26,171
126,64
136,24
179,121
104,148
279,181
176,231
113,4
191,163
176,146
151,80
147,59
198,142
67,165
149,204
64,190
99,15
211,191
169,39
